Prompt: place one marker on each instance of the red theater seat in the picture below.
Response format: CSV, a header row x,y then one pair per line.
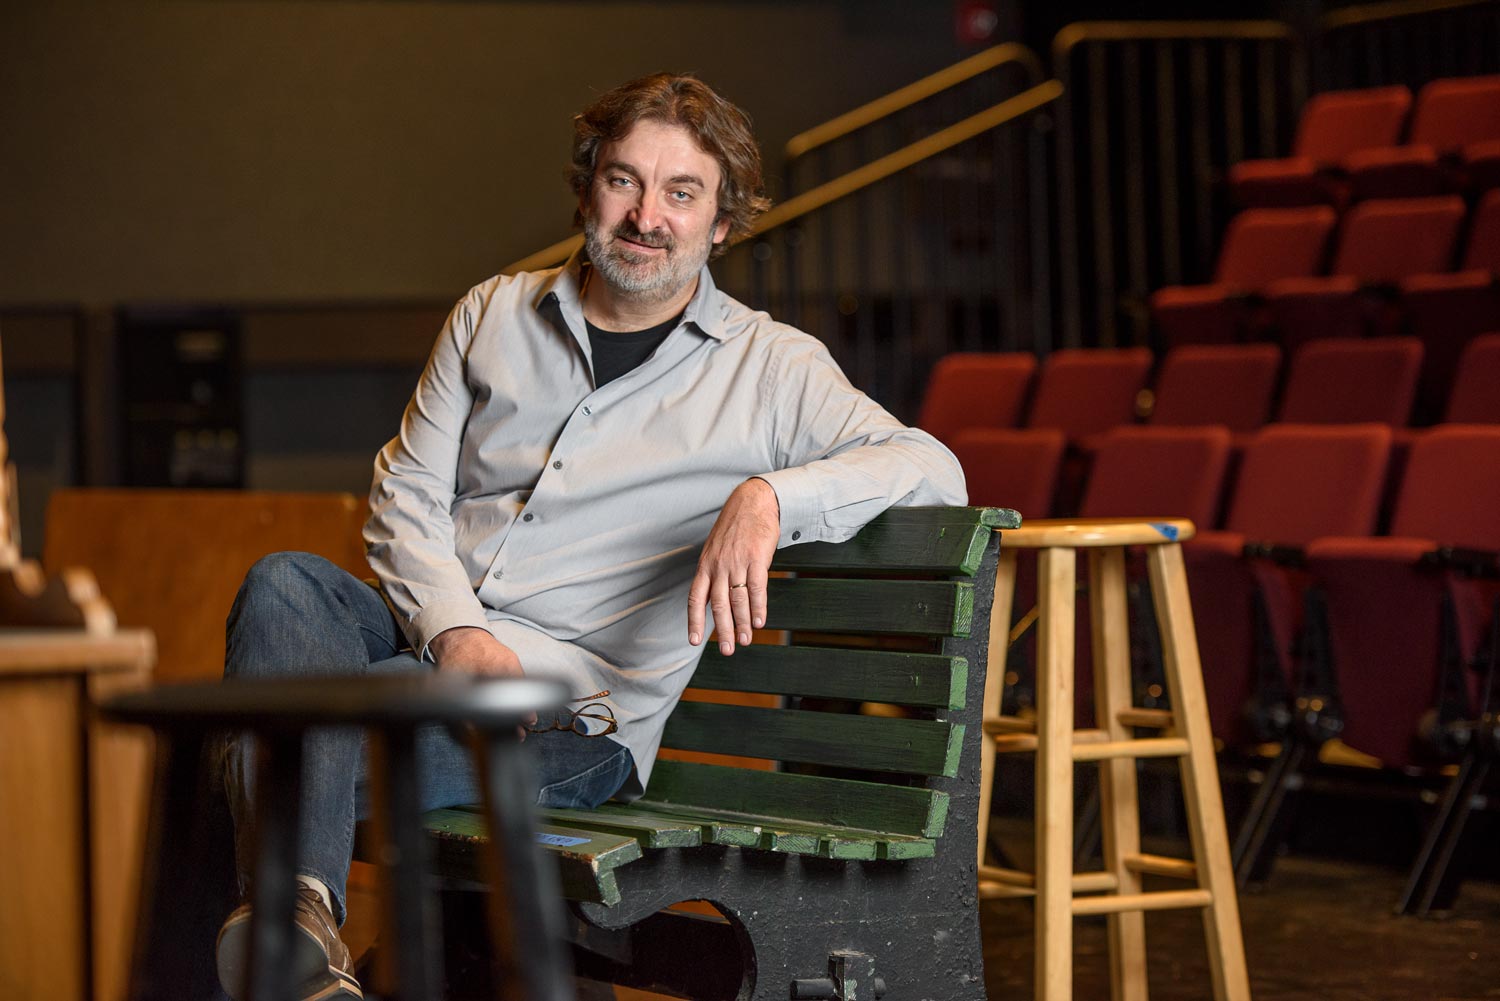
x,y
1451,116
1381,243
1332,126
1260,246
1085,392
1296,483
973,389
1007,467
1228,384
1476,389
1344,381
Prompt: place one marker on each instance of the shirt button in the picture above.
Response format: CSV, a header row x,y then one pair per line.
x,y
498,574
527,517
587,412
557,464
796,536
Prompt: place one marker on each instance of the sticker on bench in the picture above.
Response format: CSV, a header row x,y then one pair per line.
x,y
1169,531
560,840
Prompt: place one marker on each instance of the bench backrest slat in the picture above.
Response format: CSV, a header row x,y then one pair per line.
x,y
899,607
915,746
929,680
870,806
947,541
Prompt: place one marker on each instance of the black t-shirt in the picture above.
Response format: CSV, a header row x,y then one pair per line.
x,y
617,352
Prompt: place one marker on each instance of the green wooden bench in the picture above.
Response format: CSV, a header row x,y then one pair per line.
x,y
850,871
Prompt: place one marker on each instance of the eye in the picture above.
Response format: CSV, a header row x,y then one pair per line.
x,y
681,196
619,181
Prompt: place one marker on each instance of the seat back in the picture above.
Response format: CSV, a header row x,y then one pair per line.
x,y
897,615
1455,112
1228,384
976,389
1298,482
1262,245
1157,472
1386,239
1450,487
1011,467
1344,381
1337,123
1086,391
1475,397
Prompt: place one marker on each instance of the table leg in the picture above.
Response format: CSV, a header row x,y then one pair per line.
x,y
526,918
278,787
408,960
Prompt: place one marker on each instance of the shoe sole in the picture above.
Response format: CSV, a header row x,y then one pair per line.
x,y
313,978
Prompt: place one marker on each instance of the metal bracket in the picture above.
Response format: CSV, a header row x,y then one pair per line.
x,y
851,977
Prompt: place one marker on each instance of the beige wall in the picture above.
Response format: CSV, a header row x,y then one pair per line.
x,y
297,149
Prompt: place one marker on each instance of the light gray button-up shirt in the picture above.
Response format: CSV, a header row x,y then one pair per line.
x,y
568,520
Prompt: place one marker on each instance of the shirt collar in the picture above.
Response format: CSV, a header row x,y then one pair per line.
x,y
705,310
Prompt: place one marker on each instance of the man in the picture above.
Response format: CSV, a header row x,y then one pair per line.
x,y
597,460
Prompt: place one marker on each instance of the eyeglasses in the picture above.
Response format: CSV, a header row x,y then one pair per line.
x,y
575,719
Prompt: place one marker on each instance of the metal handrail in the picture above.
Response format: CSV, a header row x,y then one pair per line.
x,y
1142,31
1364,13
841,187
912,93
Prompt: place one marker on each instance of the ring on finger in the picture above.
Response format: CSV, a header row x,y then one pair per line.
x,y
733,586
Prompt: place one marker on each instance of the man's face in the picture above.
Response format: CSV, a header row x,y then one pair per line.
x,y
649,222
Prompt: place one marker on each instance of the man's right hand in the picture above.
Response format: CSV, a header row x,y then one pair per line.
x,y
474,651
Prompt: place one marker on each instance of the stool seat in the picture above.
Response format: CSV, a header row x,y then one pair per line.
x,y
1181,732
526,919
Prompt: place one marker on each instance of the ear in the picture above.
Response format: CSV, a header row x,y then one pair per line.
x,y
721,229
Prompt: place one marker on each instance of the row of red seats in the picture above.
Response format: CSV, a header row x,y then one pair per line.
x,y
975,402
1392,271
1349,144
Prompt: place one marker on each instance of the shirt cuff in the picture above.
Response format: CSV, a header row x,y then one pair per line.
x,y
422,627
801,513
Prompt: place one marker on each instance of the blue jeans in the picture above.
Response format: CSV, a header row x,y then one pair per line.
x,y
298,615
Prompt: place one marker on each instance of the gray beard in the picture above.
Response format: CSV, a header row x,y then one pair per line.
x,y
649,281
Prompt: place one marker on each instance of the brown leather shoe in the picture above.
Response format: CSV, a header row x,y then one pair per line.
x,y
320,962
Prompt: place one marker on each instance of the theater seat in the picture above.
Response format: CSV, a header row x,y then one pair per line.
x,y
1381,243
1296,483
976,389
1344,381
1450,116
1009,467
1332,126
1227,384
1476,389
1260,246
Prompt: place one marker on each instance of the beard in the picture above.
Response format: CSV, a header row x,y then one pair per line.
x,y
655,276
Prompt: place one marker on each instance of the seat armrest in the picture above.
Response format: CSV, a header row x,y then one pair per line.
x,y
1281,555
1480,563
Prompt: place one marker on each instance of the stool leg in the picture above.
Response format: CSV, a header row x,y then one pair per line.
x,y
994,684
278,787
526,916
1119,798
1056,575
1200,775
407,964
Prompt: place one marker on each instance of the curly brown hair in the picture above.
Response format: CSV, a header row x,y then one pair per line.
x,y
722,130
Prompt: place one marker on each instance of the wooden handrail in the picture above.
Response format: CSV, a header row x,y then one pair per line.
x,y
842,187
905,97
1364,13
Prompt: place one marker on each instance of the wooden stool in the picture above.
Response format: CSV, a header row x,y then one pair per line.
x,y
1182,733
526,917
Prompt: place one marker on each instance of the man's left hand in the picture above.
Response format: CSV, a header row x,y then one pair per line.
x,y
736,561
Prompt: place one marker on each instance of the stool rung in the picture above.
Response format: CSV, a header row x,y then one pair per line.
x,y
1160,901
1011,743
1151,719
1149,747
1009,724
1016,879
1162,865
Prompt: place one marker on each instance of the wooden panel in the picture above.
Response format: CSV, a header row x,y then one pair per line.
x,y
906,607
868,806
910,679
41,842
172,560
876,743
652,830
943,540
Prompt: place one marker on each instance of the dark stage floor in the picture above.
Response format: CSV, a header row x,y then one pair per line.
x,y
1319,929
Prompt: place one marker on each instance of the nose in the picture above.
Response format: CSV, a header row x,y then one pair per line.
x,y
647,213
